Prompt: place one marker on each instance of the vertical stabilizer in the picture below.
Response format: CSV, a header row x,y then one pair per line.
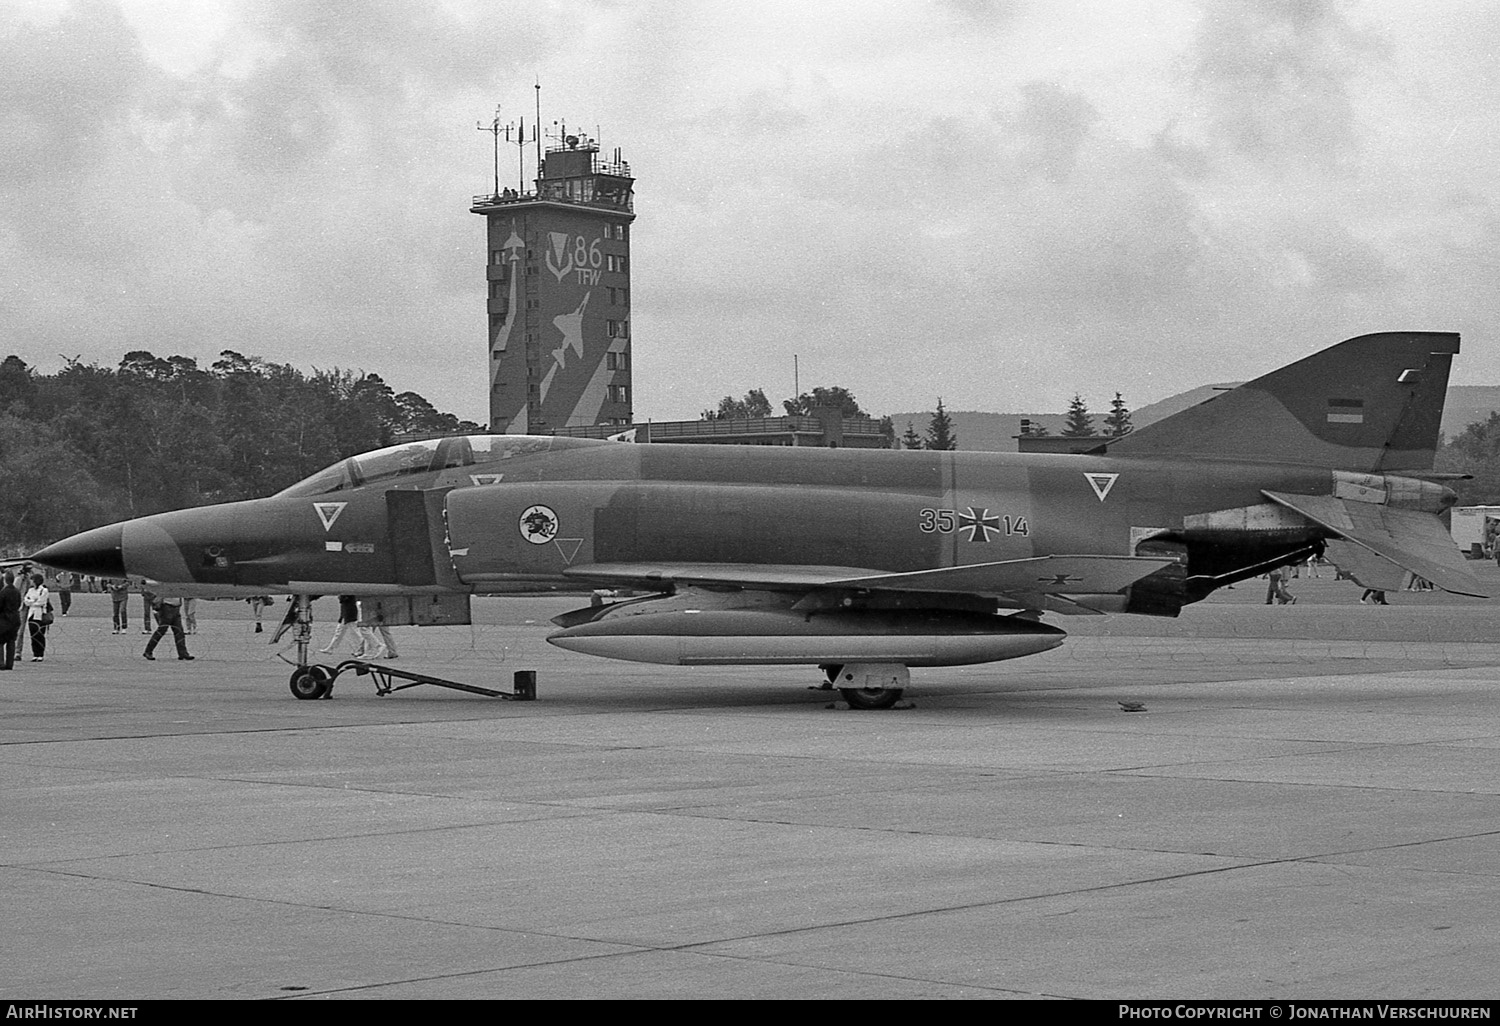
x,y
1373,403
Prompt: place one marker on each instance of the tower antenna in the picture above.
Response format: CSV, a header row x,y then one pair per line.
x,y
494,129
539,135
521,157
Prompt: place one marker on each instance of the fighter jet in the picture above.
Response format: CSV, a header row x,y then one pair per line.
x,y
864,563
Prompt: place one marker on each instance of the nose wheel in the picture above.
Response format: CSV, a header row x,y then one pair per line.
x,y
309,682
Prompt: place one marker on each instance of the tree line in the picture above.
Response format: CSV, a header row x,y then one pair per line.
x,y
91,445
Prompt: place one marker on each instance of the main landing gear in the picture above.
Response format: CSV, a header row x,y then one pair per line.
x,y
868,685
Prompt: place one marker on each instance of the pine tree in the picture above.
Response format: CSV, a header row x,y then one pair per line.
x,y
911,440
940,433
1117,424
1080,424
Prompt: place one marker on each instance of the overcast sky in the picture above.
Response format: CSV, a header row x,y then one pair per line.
x,y
999,202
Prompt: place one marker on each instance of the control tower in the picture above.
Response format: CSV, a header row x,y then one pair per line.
x,y
558,270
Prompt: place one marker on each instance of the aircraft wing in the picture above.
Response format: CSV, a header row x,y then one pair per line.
x,y
743,575
1408,538
1046,575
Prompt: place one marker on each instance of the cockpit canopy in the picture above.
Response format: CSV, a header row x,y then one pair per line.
x,y
424,457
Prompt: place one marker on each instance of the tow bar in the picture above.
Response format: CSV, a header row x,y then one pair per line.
x,y
310,682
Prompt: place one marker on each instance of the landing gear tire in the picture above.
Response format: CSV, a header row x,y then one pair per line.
x,y
309,682
871,698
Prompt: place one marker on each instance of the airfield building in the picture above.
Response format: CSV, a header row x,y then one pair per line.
x,y
558,272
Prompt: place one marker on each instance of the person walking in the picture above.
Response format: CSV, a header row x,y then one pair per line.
x,y
168,614
348,618
38,603
10,621
1277,591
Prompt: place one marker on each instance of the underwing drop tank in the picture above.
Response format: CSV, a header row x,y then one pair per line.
x,y
711,637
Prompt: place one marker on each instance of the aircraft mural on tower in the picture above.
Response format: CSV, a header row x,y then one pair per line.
x,y
864,563
562,374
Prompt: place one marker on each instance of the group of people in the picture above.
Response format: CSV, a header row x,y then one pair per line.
x,y
26,601
32,608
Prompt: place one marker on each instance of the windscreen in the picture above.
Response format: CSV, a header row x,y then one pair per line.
x,y
433,454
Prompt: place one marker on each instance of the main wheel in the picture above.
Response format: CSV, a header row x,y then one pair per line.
x,y
311,682
871,698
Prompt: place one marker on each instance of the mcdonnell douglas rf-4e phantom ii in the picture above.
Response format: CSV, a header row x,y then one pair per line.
x,y
861,562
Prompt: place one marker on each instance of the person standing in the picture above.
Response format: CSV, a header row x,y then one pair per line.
x,y
38,603
148,602
65,585
119,599
258,605
10,621
190,615
168,614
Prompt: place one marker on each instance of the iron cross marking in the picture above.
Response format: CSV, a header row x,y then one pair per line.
x,y
979,525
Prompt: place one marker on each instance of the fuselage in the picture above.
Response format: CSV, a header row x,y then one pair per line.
x,y
501,518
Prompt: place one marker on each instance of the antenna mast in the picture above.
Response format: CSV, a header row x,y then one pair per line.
x,y
539,136
494,129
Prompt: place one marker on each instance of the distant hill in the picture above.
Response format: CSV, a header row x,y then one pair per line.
x,y
1469,404
995,432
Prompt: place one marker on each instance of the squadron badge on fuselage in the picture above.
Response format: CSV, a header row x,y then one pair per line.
x,y
538,524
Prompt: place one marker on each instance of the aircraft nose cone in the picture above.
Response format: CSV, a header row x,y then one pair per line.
x,y
98,552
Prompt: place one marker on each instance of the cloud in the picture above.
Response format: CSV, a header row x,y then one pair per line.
x,y
62,87
1274,78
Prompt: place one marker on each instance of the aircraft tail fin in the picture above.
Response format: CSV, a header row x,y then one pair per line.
x,y
1373,404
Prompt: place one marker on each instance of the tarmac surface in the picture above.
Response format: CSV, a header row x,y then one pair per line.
x,y
1307,807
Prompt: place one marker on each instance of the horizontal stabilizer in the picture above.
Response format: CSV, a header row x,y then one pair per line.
x,y
1048,575
1409,538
